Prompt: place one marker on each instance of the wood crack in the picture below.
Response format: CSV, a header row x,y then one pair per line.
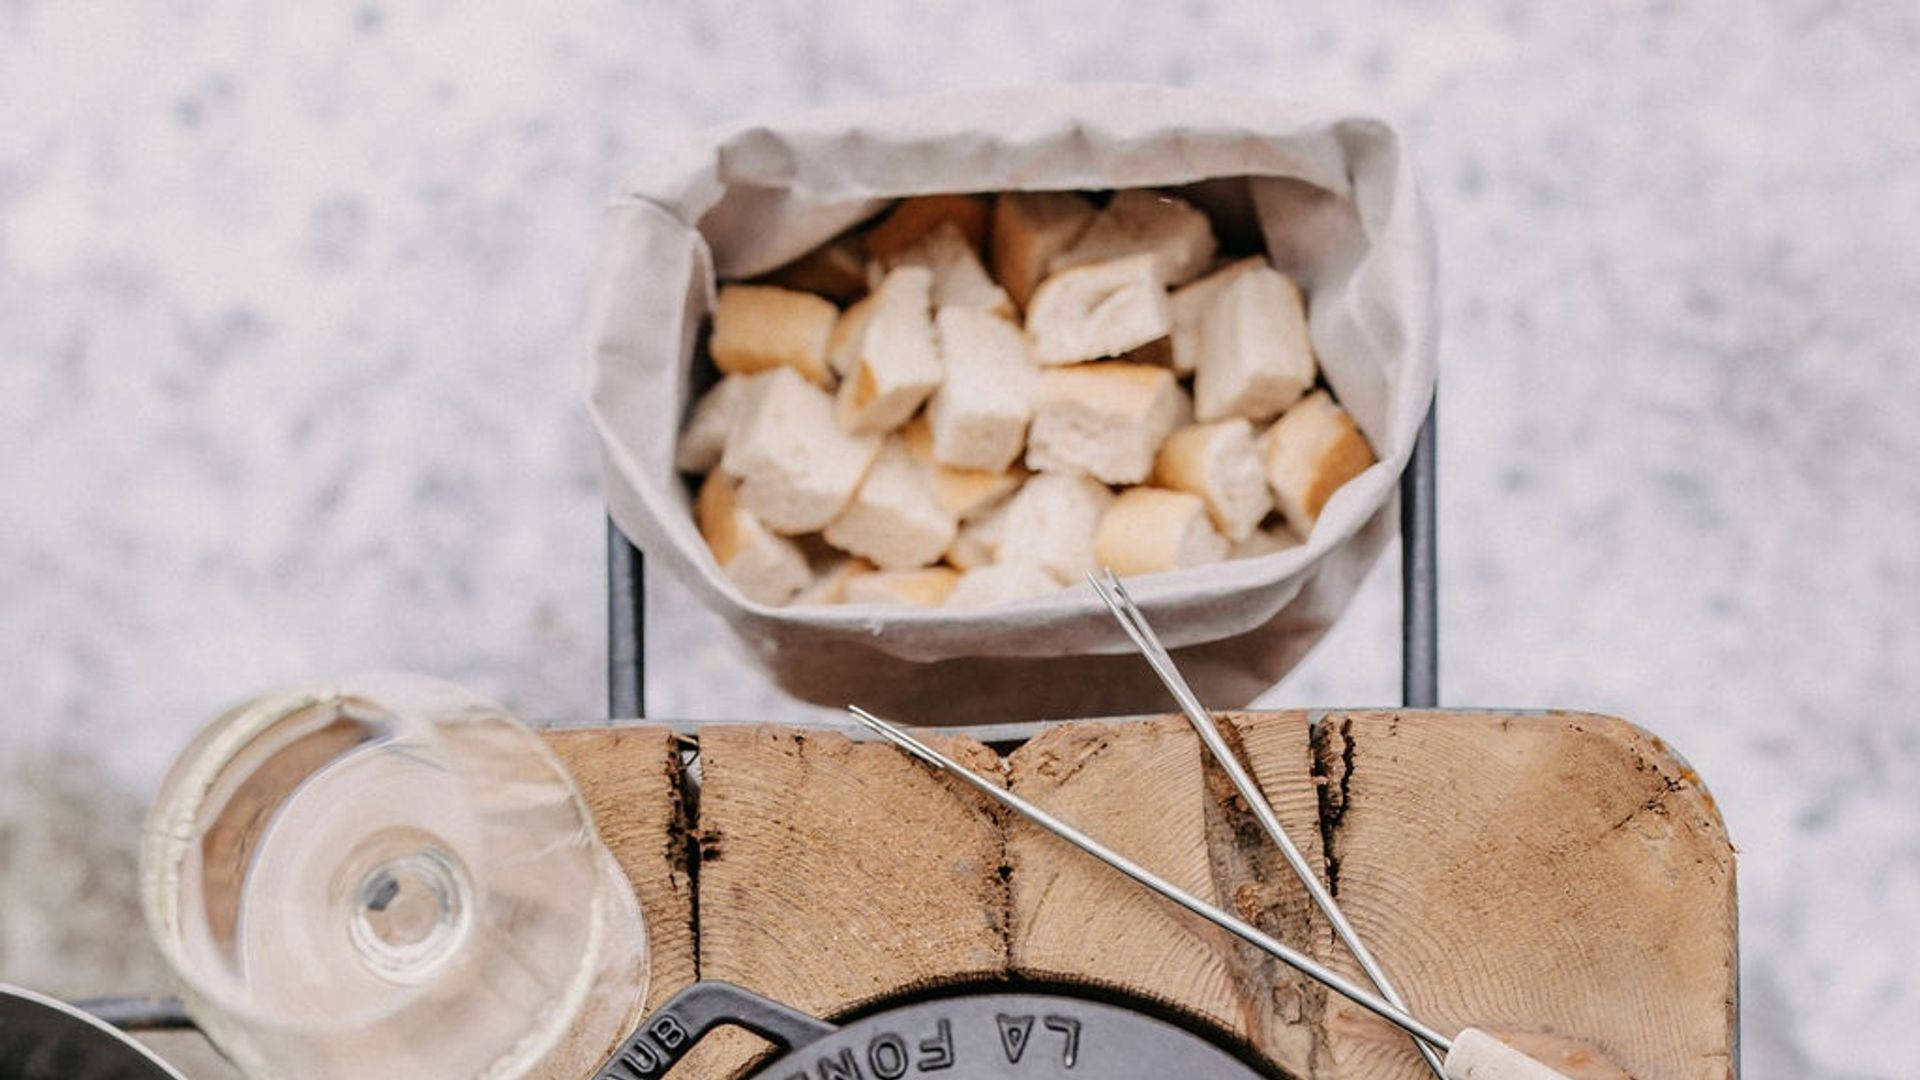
x,y
1332,768
1331,784
687,845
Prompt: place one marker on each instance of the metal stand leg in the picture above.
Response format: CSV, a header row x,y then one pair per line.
x,y
626,627
1419,574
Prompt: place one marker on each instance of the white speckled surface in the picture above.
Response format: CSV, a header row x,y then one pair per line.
x,y
290,304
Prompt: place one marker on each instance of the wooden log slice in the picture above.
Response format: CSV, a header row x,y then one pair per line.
x,y
835,873
630,778
1558,878
1139,788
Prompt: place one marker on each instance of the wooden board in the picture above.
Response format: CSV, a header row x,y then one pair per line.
x,y
1553,876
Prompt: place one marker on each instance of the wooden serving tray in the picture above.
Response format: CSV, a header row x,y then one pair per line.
x,y
1546,875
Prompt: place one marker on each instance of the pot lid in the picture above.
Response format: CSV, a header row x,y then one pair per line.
x,y
1003,1036
981,1035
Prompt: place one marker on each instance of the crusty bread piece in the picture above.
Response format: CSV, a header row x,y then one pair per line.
x,y
1107,418
797,468
704,438
1255,357
1179,237
893,519
1002,583
928,587
898,364
1264,542
1220,463
766,568
1159,351
1189,302
830,582
1100,309
1029,229
849,330
1150,529
958,278
977,543
836,270
1309,452
1050,523
964,493
913,218
979,415
756,327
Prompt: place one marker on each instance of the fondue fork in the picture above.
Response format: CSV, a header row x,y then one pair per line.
x,y
1114,594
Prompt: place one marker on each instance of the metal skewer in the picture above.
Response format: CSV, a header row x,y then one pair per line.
x,y
1134,622
1259,939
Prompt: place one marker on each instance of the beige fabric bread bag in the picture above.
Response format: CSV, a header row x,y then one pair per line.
x,y
1332,195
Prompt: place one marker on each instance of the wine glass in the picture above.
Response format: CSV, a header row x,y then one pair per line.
x,y
390,877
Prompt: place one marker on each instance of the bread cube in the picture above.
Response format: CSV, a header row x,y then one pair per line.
x,y
958,278
912,219
897,365
1255,357
757,327
893,519
1189,302
1107,418
1220,463
979,415
1002,583
1179,237
704,438
1309,452
928,587
767,569
964,493
1150,529
1029,229
797,468
849,331
1050,523
1101,309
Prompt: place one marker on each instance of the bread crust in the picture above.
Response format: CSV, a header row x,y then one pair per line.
x,y
1030,228
913,218
1313,449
